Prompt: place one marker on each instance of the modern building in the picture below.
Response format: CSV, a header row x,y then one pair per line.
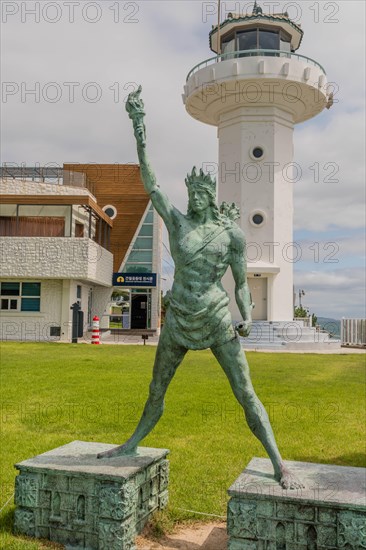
x,y
66,237
255,89
136,238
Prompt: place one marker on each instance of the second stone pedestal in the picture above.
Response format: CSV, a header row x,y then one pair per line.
x,y
329,514
69,496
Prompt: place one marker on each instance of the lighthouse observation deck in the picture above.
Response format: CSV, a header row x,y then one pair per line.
x,y
260,77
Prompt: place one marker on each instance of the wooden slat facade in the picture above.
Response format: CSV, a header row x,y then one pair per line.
x,y
119,185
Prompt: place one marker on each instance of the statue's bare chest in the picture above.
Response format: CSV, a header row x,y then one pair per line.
x,y
207,244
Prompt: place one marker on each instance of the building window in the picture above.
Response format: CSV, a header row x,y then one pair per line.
x,y
20,296
140,258
110,210
147,230
9,304
138,267
149,217
35,220
79,230
10,289
55,331
78,292
143,243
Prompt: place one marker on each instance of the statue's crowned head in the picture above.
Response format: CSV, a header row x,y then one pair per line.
x,y
201,181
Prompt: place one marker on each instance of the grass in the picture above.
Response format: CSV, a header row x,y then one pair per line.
x,y
114,324
55,393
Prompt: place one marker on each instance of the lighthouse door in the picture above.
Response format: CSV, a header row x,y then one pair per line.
x,y
258,289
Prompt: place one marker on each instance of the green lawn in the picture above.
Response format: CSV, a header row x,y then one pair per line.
x,y
55,393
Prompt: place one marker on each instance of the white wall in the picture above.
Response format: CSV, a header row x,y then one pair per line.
x,y
262,186
57,296
55,257
35,326
19,187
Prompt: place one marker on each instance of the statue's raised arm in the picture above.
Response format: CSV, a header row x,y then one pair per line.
x,y
136,112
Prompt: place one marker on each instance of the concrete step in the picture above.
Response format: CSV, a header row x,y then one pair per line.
x,y
267,334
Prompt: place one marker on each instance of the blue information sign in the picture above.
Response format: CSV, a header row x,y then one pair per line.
x,y
134,279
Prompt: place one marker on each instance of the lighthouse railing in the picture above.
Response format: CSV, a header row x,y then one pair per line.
x,y
252,53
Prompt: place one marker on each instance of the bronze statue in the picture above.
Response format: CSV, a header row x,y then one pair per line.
x,y
203,243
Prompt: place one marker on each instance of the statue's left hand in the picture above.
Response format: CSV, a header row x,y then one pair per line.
x,y
243,328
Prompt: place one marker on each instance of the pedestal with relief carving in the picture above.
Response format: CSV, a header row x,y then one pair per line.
x,y
329,514
69,496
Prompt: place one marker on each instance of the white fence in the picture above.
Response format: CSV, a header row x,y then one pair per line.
x,y
353,332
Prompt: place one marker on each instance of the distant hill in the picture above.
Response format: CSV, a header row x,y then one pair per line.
x,y
333,326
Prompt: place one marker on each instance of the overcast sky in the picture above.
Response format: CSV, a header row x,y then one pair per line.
x,y
68,66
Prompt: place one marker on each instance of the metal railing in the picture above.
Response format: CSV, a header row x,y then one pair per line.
x,y
34,173
252,53
47,174
353,332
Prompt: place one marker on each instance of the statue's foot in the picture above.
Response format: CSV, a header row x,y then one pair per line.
x,y
122,450
288,480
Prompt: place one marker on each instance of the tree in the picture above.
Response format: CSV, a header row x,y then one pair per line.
x,y
300,312
122,294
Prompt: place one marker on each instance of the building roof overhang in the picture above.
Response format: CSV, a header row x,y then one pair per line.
x,y
81,200
262,268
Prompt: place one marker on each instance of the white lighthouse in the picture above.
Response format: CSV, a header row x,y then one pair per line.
x,y
255,90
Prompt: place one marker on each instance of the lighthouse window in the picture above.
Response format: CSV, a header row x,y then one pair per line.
x,y
258,219
247,40
228,45
258,152
256,39
285,42
268,40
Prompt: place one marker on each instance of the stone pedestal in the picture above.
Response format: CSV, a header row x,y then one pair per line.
x,y
69,496
329,514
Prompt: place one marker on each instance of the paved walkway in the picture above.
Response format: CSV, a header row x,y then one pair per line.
x,y
211,536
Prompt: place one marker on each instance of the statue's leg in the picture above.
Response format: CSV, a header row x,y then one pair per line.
x,y
233,361
168,357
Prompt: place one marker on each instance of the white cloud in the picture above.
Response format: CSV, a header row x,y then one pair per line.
x,y
334,249
338,293
332,188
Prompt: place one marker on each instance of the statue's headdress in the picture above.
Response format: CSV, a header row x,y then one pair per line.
x,y
202,181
